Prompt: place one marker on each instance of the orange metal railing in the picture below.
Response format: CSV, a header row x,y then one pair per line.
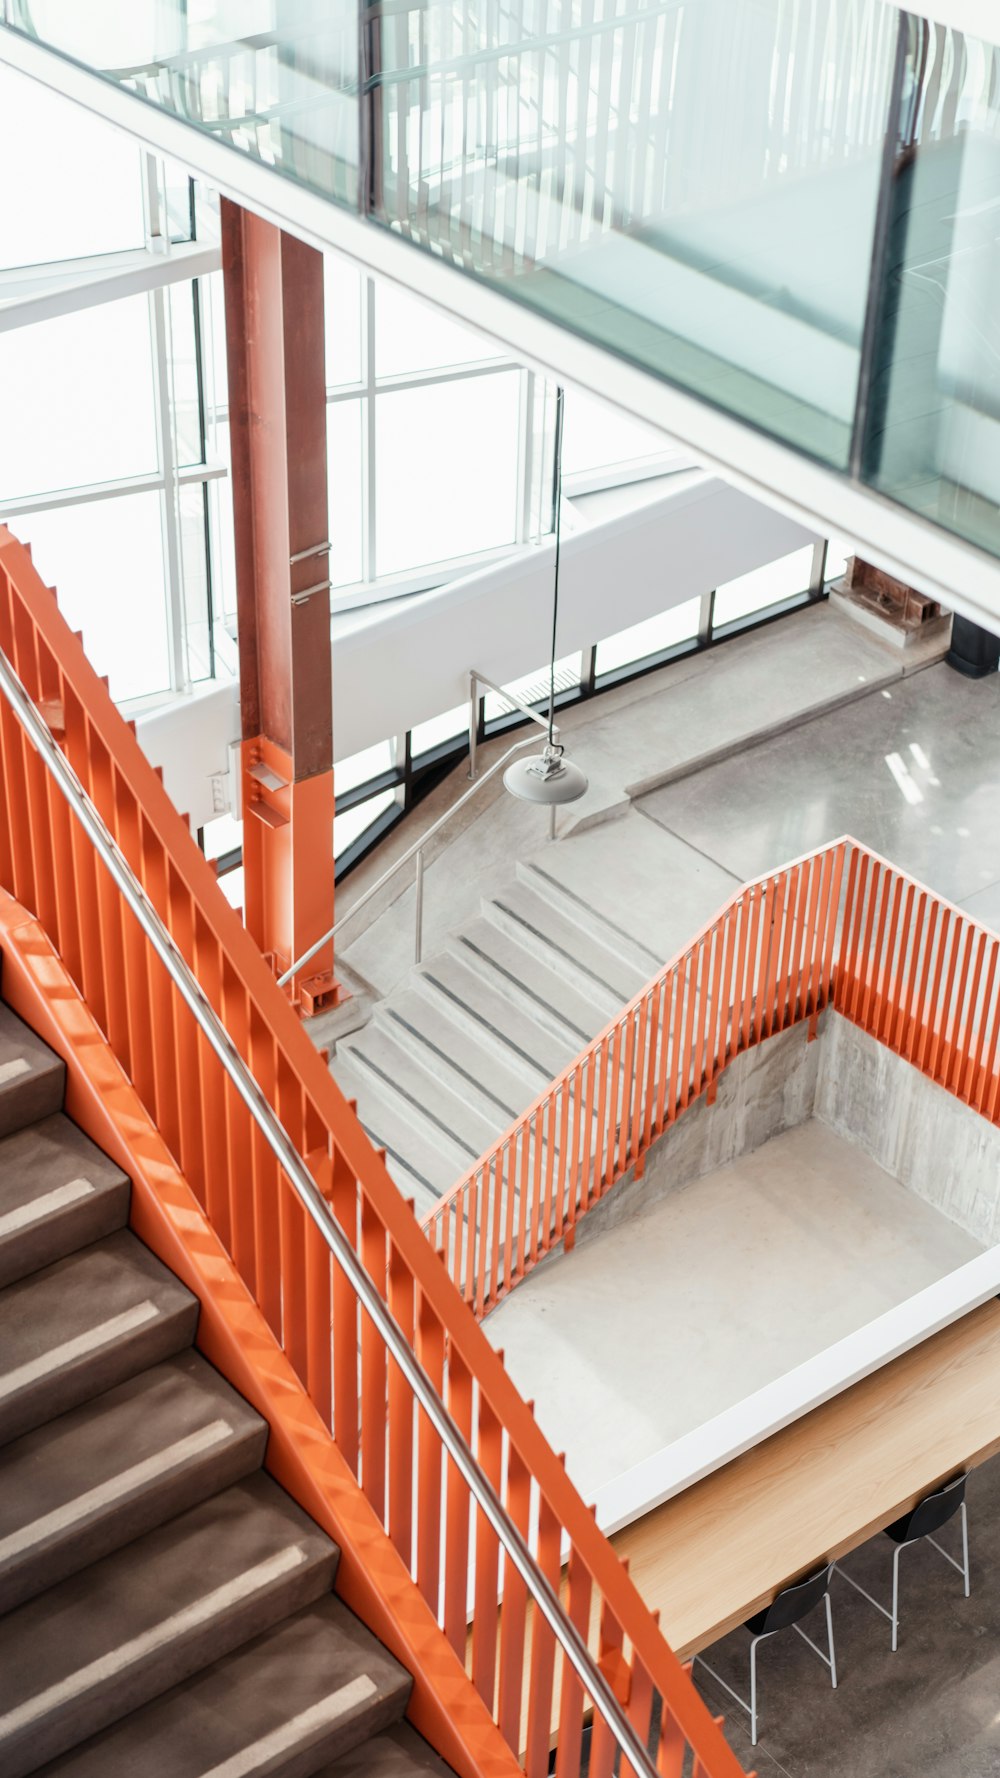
x,y
839,927
765,962
49,865
921,977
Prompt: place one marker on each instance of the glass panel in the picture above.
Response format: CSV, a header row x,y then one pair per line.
x,y
194,570
358,768
533,688
934,434
82,389
754,592
106,561
349,826
178,189
675,184
449,727
184,363
220,507
233,888
651,637
596,436
275,79
446,470
343,289
411,335
62,205
214,346
225,834
344,444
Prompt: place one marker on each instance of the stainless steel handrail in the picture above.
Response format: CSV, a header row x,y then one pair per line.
x,y
415,851
316,1207
477,679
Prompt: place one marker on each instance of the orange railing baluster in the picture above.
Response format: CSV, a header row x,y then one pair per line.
x,y
543,1652
579,1593
401,1411
514,1616
489,1450
456,1537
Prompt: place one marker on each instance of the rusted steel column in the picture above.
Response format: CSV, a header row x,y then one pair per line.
x,y
277,420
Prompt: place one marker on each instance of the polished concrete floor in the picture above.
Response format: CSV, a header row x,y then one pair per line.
x,y
912,770
701,1298
932,1710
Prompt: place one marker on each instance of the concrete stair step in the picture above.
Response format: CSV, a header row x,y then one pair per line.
x,y
107,1472
423,1159
57,1193
539,991
399,1753
605,952
419,1084
130,1627
563,946
489,1012
32,1078
84,1324
312,1690
513,915
493,1078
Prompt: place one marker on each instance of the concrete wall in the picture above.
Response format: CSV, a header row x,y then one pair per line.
x,y
934,1145
766,1090
927,1139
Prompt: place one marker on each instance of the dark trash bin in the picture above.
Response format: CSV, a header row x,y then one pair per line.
x,y
974,651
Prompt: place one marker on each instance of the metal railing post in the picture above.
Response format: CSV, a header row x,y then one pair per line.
x,y
418,934
473,722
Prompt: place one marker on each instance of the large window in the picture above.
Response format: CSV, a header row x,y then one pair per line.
x,y
428,470
103,464
62,204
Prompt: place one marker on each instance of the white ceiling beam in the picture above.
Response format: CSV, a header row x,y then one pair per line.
x,y
52,291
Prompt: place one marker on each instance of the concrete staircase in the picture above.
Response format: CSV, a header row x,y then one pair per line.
x,y
167,1609
452,1057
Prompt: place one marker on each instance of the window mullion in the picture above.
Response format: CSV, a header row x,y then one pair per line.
x,y
158,241
369,488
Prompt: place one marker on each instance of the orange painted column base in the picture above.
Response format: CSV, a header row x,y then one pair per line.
x,y
288,869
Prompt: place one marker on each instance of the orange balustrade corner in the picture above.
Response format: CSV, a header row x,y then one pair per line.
x,y
921,977
840,927
765,962
361,1409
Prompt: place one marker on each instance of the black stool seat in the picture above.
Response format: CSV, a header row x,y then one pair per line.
x,y
930,1513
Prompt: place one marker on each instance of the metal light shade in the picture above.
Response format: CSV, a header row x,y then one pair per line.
x,y
545,778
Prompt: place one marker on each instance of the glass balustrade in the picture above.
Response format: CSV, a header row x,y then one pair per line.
x,y
788,208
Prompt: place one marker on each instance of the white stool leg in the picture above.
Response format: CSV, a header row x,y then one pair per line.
x,y
829,1637
897,1552
753,1690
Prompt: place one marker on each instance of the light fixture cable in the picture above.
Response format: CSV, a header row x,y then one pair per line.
x,y
549,777
557,528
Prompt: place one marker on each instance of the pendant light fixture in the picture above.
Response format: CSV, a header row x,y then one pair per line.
x,y
549,777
